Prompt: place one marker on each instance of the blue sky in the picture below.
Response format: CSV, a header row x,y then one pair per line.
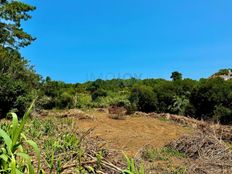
x,y
81,40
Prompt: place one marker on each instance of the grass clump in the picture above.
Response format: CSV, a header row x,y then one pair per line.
x,y
163,154
132,168
164,160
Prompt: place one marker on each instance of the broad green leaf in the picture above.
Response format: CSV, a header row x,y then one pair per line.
x,y
4,157
18,172
13,165
3,150
23,122
15,124
24,156
7,139
24,136
37,151
30,167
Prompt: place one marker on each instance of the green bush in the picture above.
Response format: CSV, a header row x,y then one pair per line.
x,y
179,105
112,99
65,100
222,115
45,102
144,99
209,94
83,101
98,93
14,95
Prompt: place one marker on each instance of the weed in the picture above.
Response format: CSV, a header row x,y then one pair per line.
x,y
180,170
172,152
132,168
48,127
153,155
163,154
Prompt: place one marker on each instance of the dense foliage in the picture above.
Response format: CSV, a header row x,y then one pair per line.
x,y
209,99
18,81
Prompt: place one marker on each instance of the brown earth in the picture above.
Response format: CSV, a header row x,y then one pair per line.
x,y
132,133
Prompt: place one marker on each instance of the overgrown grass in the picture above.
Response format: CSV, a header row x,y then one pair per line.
x,y
164,160
165,153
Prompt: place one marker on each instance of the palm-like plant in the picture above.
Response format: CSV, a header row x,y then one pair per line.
x,y
179,105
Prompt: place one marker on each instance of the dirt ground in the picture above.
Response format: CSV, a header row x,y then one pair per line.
x,y
133,133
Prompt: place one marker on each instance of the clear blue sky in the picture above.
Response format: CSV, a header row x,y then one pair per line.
x,y
80,40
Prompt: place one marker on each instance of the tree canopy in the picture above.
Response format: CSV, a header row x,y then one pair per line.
x,y
176,76
12,13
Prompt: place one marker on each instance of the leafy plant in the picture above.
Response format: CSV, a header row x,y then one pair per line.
x,y
132,168
48,127
179,105
13,156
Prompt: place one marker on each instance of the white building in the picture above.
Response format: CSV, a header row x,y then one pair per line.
x,y
227,76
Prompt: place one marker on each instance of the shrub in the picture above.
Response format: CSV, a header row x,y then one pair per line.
x,y
45,102
132,168
144,99
209,94
222,115
98,93
179,105
113,99
65,100
83,101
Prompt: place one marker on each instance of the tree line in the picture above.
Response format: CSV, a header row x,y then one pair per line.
x,y
208,99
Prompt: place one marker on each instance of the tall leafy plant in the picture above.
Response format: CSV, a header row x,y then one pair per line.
x,y
14,158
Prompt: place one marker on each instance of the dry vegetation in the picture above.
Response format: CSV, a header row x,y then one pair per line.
x,y
208,153
73,141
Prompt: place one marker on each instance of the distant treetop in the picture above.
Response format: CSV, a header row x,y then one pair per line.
x,y
176,76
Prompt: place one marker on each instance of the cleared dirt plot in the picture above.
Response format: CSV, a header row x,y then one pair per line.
x,y
133,133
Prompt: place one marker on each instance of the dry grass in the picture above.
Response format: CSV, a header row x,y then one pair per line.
x,y
131,134
65,149
145,137
209,154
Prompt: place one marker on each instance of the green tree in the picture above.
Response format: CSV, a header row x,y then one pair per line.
x,y
144,99
176,76
18,80
165,90
222,114
98,93
209,94
12,13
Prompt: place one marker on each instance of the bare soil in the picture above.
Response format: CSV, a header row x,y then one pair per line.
x,y
133,133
